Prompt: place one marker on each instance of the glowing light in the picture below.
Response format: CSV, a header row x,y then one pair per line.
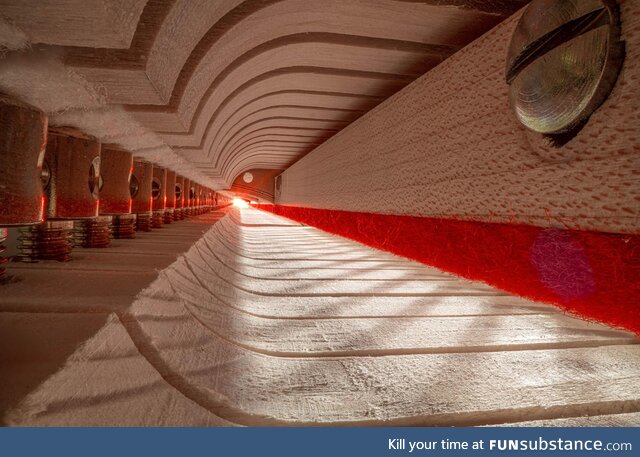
x,y
42,205
240,203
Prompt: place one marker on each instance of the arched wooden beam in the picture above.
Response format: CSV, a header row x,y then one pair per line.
x,y
111,25
285,112
279,121
291,152
261,159
294,80
272,132
202,127
317,100
265,146
422,23
170,71
173,37
335,51
277,143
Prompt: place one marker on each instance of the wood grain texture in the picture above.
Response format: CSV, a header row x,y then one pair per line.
x,y
449,146
90,23
216,338
182,68
23,137
92,347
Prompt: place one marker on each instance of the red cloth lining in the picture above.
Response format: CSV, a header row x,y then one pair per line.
x,y
595,275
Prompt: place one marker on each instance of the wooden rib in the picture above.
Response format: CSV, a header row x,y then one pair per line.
x,y
136,59
278,122
229,162
289,80
272,12
441,51
277,144
129,69
277,135
178,138
294,107
317,99
151,19
417,65
273,133
225,130
234,18
229,140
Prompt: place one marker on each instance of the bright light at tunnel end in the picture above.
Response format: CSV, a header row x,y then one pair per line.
x,y
240,203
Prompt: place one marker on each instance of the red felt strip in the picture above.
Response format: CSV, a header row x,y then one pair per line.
x,y
592,274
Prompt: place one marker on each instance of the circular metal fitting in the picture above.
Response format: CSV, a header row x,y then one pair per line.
x,y
178,194
134,186
563,62
156,189
94,178
170,186
45,176
247,177
142,203
179,202
186,197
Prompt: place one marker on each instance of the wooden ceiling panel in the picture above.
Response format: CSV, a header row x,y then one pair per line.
x,y
87,23
227,136
312,54
232,85
294,79
286,99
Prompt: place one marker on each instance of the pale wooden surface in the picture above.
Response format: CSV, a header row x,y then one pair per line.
x,y
169,74
90,23
64,354
219,89
220,336
449,146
